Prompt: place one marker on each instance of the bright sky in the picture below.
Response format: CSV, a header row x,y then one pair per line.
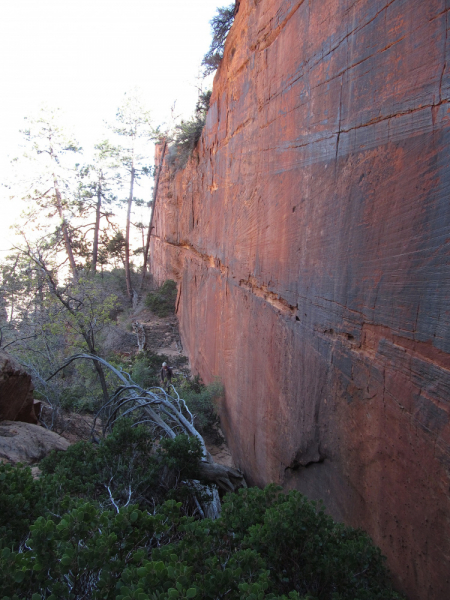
x,y
83,55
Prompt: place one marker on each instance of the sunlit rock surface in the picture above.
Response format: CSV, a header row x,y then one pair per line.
x,y
310,239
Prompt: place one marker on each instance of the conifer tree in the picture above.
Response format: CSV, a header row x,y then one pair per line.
x,y
97,184
133,123
50,191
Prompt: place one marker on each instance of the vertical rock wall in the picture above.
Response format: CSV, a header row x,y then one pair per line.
x,y
310,236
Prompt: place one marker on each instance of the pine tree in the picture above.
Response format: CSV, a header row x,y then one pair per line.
x,y
133,123
97,185
51,191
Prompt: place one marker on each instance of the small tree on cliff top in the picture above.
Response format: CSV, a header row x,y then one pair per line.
x,y
220,26
188,133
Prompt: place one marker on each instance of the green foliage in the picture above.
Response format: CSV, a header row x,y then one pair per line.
x,y
122,468
115,246
188,133
307,551
182,455
288,547
202,401
220,26
81,553
76,398
52,319
266,546
18,498
162,302
146,369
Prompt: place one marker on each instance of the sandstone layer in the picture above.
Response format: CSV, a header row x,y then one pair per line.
x,y
27,443
310,238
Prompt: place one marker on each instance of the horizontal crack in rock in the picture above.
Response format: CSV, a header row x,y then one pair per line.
x,y
261,291
251,285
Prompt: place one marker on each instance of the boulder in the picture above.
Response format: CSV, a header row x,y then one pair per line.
x,y
16,392
27,443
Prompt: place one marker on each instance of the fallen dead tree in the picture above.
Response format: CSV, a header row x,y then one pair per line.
x,y
164,414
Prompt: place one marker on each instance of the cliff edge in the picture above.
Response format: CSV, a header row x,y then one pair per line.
x,y
310,238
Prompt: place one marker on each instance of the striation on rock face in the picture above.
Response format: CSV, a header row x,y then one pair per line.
x,y
310,237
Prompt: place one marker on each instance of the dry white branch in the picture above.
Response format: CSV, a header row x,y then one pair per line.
x,y
167,415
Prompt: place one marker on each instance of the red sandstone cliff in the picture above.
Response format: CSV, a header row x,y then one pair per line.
x,y
310,238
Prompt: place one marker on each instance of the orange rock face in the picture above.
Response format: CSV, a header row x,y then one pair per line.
x,y
310,236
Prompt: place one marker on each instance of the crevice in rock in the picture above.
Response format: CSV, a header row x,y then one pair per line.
x,y
308,454
297,465
251,285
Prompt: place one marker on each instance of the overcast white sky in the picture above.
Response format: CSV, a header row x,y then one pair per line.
x,y
83,55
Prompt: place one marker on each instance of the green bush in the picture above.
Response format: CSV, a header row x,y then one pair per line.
x,y
77,398
81,554
146,369
286,548
202,401
123,468
309,552
162,302
288,544
188,133
18,504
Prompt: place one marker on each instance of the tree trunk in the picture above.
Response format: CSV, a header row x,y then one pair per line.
x,y
102,379
97,228
226,478
127,237
67,241
149,232
89,339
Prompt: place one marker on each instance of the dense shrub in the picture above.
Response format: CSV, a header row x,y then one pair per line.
x,y
18,503
81,555
162,301
123,468
202,401
266,545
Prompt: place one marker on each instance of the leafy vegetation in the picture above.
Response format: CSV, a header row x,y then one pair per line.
x,y
91,539
125,467
18,498
202,401
188,133
50,318
220,26
162,302
146,369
